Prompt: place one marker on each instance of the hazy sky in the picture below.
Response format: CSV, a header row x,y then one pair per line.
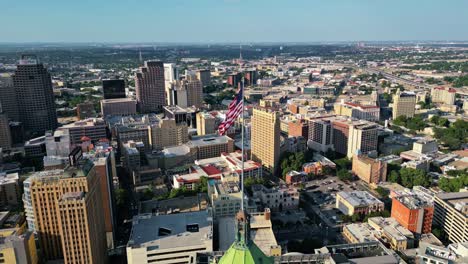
x,y
231,20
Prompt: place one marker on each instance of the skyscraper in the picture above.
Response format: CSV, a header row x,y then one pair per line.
x,y
113,88
5,135
362,138
149,86
320,135
35,97
194,93
171,74
68,214
204,76
265,138
8,98
404,104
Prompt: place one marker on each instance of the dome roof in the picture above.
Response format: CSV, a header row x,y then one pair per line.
x,y
240,253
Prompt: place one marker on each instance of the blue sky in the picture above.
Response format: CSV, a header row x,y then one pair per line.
x,y
231,20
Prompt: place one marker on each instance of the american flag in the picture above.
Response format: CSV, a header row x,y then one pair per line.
x,y
234,110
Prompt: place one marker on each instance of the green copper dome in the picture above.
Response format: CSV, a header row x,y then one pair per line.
x,y
244,250
239,253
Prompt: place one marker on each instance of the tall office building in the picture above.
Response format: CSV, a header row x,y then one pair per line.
x,y
265,138
251,77
204,76
34,94
8,98
362,138
194,93
167,133
113,88
206,124
320,135
5,135
68,213
150,87
177,94
404,104
340,136
171,74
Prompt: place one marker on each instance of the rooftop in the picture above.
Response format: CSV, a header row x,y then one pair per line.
x,y
171,231
359,198
8,178
413,200
363,232
175,205
90,122
391,227
458,200
208,141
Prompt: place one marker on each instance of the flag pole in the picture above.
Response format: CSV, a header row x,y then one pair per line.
x,y
242,128
242,140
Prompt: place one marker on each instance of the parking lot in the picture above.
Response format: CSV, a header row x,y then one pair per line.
x,y
323,193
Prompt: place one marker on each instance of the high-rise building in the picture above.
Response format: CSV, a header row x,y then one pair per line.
x,y
33,88
298,128
177,94
171,74
5,134
320,135
150,87
194,93
68,213
168,133
113,88
443,95
206,124
265,138
413,211
451,214
362,138
9,190
251,76
8,98
340,136
234,79
80,234
204,76
404,104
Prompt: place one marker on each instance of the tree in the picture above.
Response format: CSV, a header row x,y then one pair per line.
x,y
121,197
343,163
411,177
394,176
292,161
344,175
459,181
443,122
382,192
453,136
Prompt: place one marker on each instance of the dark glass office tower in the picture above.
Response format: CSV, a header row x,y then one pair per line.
x,y
35,96
113,88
